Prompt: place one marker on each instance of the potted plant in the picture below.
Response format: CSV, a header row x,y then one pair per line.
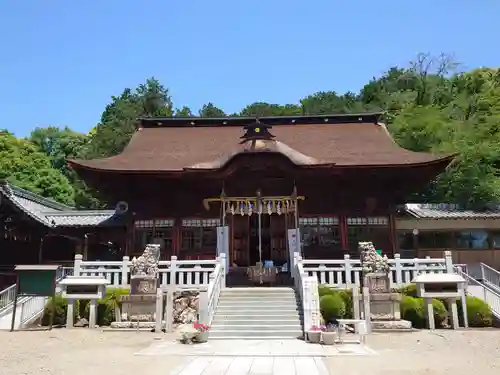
x,y
202,332
330,334
314,334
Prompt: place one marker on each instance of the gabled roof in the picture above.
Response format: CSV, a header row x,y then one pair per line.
x,y
51,213
449,211
182,144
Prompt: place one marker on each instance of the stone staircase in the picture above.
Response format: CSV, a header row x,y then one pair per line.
x,y
257,313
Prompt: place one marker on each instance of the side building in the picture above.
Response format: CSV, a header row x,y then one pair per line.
x,y
37,230
339,177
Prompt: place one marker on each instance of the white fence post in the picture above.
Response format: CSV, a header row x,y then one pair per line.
x,y
125,269
399,270
223,269
173,270
348,270
448,260
78,265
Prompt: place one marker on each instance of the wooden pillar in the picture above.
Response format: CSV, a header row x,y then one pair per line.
x,y
129,236
392,232
343,232
177,236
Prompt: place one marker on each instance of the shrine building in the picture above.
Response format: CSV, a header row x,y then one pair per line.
x,y
338,177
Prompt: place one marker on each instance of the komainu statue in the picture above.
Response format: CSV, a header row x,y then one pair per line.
x,y
371,262
147,263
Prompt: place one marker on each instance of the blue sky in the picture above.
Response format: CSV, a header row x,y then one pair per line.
x,y
62,60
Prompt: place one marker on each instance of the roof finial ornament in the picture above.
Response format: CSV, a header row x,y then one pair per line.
x,y
257,131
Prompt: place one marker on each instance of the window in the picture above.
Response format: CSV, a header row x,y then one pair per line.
x,y
405,240
199,234
495,240
319,232
434,240
368,229
159,231
472,239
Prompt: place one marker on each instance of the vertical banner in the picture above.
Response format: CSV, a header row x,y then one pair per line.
x,y
293,244
223,243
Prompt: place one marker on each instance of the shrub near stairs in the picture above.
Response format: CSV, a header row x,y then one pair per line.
x,y
105,308
478,311
60,310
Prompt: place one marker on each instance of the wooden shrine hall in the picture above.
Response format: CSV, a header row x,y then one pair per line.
x,y
337,177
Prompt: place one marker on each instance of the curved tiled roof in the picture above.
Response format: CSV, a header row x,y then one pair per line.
x,y
449,211
166,145
51,213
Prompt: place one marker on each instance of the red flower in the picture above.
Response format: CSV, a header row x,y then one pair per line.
x,y
201,327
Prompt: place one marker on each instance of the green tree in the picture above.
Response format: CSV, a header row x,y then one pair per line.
x,y
22,164
183,112
60,145
210,110
119,118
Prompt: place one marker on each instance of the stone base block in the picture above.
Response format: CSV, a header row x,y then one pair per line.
x,y
129,325
387,325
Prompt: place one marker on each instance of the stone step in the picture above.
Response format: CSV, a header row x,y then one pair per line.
x,y
257,301
252,307
259,289
242,319
266,334
259,338
257,295
254,327
227,312
247,292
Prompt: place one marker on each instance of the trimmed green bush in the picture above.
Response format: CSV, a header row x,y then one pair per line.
x,y
324,290
440,313
332,307
411,310
478,312
408,290
61,307
345,294
105,308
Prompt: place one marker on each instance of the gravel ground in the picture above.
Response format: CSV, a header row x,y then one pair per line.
x,y
457,352
84,351
79,352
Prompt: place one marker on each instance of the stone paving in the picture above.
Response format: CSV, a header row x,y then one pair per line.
x,y
252,357
254,348
247,365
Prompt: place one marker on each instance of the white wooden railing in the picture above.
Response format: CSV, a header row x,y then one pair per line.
x,y
307,288
7,295
347,272
490,276
184,273
28,308
209,299
483,291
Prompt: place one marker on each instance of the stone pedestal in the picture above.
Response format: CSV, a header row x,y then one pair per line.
x,y
385,312
140,305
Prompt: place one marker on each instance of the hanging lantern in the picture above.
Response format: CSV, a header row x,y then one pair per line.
x,y
250,208
278,208
269,208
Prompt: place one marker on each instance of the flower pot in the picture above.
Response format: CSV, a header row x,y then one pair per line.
x,y
329,338
202,336
314,336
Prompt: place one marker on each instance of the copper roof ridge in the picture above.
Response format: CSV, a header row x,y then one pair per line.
x,y
339,118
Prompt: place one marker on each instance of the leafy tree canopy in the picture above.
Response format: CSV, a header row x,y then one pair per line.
x,y
22,164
